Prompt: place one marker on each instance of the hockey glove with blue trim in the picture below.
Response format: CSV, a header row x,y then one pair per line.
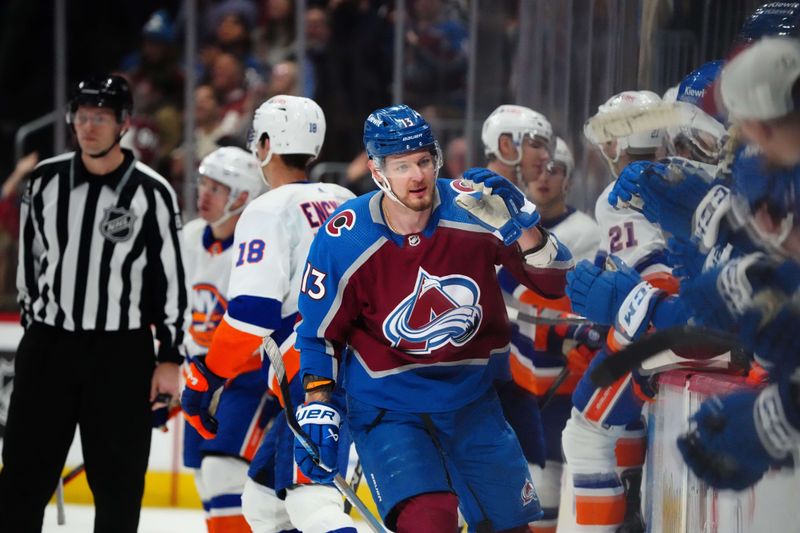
x,y
672,193
598,294
627,184
497,204
720,297
321,422
737,437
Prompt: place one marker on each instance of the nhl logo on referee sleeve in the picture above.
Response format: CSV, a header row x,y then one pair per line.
x,y
117,224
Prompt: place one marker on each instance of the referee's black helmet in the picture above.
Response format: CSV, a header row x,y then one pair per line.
x,y
111,92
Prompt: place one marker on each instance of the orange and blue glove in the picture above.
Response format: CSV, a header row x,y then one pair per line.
x,y
201,384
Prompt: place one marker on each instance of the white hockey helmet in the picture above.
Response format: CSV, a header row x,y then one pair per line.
x,y
237,169
516,121
294,125
563,155
757,84
644,142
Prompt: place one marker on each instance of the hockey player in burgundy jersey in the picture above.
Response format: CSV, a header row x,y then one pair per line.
x,y
400,302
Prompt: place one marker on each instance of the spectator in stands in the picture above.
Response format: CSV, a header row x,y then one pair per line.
x,y
275,33
156,62
436,57
283,80
228,81
455,157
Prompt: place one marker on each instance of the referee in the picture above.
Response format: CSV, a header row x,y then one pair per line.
x,y
99,264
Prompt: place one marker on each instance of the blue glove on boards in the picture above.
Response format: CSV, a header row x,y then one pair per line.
x,y
724,449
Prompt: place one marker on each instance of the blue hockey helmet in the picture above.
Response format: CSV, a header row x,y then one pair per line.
x,y
395,130
772,18
703,131
694,87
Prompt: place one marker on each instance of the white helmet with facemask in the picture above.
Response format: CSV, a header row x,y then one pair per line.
x,y
639,143
517,122
238,170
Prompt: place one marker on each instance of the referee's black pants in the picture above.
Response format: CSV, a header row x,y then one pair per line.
x,y
99,381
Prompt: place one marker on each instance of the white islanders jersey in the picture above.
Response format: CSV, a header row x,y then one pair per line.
x,y
208,269
627,234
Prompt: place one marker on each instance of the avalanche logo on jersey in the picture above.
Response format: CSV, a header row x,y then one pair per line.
x,y
209,308
439,311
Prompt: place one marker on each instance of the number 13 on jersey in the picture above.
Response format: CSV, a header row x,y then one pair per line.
x,y
312,283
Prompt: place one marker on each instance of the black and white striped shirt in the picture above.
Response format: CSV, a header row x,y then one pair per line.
x,y
102,252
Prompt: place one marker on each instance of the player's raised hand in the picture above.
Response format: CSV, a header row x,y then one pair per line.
x,y
627,184
598,294
497,204
673,192
720,297
321,422
201,384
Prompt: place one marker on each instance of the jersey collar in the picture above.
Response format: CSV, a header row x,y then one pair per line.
x,y
214,246
114,179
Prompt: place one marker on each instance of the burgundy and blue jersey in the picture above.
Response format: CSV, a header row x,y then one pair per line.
x,y
415,322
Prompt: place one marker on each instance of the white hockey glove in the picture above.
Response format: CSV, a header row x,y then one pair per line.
x,y
497,204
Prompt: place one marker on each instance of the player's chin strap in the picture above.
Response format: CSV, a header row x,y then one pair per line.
x,y
105,152
612,161
383,184
228,214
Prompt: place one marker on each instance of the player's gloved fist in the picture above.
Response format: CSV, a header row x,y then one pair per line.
x,y
726,448
496,204
201,384
627,184
685,257
320,421
720,297
596,293
671,194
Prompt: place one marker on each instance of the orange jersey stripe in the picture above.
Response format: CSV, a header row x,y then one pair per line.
x,y
228,524
559,304
599,510
538,384
603,399
630,452
232,351
664,281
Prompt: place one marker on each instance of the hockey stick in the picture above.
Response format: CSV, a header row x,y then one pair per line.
x,y
553,321
675,339
606,127
355,481
276,359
